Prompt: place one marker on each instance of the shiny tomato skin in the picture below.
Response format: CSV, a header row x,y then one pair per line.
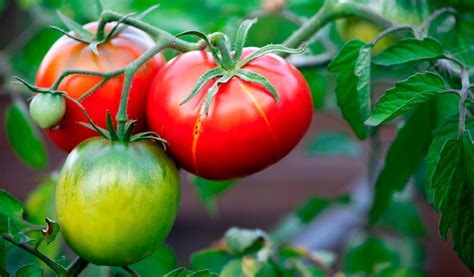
x,y
245,130
116,201
68,54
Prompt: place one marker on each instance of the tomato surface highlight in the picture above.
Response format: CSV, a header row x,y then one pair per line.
x,y
68,54
245,130
116,201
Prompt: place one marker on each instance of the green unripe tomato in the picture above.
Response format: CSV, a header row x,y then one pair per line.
x,y
354,28
47,109
116,202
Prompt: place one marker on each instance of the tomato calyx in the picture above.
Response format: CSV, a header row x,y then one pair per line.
x,y
232,65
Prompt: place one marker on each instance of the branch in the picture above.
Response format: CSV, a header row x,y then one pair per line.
x,y
331,11
179,44
59,269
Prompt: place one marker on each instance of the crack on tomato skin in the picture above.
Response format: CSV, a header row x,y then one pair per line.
x,y
261,112
197,130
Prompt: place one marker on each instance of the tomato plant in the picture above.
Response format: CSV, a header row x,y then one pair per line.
x,y
399,84
116,201
113,54
245,131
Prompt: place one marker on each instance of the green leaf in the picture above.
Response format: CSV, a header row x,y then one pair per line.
x,y
406,95
447,130
9,205
410,50
452,184
30,270
232,269
3,258
209,190
239,241
212,259
334,144
400,272
303,215
367,256
158,264
352,66
23,136
403,159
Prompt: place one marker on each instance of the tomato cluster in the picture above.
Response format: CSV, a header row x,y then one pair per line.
x,y
116,199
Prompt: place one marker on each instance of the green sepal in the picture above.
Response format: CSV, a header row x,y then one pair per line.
x,y
271,48
149,135
75,27
203,80
66,33
111,128
98,129
213,91
129,126
241,37
250,76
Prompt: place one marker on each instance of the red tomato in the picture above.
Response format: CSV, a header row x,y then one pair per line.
x,y
68,54
245,130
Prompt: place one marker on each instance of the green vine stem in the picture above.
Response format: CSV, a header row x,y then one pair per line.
x,y
72,270
330,11
157,33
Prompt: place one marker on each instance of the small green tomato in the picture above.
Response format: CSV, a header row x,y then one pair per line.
x,y
47,109
116,201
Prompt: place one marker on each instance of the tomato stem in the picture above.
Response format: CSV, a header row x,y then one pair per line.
x,y
221,43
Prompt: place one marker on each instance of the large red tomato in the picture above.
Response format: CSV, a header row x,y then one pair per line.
x,y
68,54
245,130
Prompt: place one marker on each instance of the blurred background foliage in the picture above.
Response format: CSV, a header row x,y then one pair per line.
x,y
392,247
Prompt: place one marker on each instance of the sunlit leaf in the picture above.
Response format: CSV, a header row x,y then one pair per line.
x,y
212,259
410,50
405,96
